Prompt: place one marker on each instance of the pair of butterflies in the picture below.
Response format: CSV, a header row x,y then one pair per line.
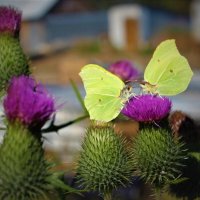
x,y
168,73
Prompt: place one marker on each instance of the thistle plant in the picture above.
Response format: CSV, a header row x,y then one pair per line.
x,y
10,21
158,158
24,171
104,163
163,156
28,102
13,61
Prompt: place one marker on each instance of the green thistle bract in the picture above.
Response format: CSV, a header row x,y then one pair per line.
x,y
104,161
13,61
157,156
24,172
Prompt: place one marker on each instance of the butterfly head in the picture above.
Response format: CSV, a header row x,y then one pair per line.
x,y
126,93
149,88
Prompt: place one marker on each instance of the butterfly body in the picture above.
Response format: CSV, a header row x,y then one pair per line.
x,y
149,88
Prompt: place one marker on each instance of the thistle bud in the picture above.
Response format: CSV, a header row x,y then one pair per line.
x,y
104,161
10,21
24,172
157,156
13,61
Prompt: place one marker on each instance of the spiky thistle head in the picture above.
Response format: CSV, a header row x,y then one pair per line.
x,y
28,102
104,162
13,61
157,156
124,69
147,108
10,20
24,172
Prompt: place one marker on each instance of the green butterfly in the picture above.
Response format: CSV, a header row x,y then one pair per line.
x,y
105,93
168,73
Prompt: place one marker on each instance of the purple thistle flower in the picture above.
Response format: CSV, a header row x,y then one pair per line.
x,y
124,69
10,20
28,102
147,108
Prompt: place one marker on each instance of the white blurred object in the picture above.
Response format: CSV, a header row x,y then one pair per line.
x,y
195,19
117,17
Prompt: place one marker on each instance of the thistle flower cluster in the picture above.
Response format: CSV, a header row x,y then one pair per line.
x,y
142,108
124,69
24,171
28,102
13,61
10,20
147,108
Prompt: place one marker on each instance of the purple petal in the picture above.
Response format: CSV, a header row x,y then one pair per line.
x,y
10,20
28,102
147,108
124,69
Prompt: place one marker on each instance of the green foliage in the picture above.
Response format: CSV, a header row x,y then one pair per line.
x,y
13,62
24,172
195,155
104,161
89,47
158,158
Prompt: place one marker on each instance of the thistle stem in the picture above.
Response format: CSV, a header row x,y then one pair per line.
x,y
54,128
107,196
158,194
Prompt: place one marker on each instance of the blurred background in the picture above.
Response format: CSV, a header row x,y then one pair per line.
x,y
61,36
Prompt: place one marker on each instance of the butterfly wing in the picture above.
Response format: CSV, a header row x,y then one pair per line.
x,y
168,70
103,90
103,108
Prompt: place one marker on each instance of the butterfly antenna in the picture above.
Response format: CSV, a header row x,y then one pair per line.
x,y
134,81
143,82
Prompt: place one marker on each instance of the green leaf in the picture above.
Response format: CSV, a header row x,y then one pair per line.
x,y
78,95
56,182
195,155
179,180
